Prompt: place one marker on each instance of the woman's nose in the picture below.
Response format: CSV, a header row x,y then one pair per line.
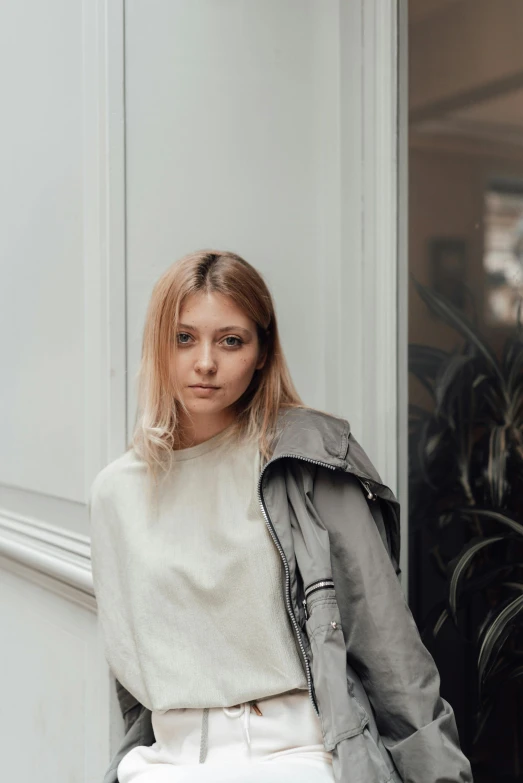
x,y
205,360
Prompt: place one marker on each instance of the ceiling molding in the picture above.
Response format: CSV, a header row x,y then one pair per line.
x,y
495,133
465,100
465,145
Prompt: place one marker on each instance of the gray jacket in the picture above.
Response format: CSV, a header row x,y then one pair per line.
x,y
372,682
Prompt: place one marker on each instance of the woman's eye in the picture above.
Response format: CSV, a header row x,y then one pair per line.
x,y
234,345
237,341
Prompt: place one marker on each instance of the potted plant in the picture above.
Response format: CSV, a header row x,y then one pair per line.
x,y
466,486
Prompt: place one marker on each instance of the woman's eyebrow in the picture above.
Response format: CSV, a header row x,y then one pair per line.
x,y
221,329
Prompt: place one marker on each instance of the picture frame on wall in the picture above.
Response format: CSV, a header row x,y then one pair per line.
x,y
448,268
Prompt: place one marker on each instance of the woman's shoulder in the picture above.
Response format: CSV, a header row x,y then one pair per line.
x,y
114,476
313,417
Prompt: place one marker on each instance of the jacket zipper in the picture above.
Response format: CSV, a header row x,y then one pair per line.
x,y
370,494
321,584
290,610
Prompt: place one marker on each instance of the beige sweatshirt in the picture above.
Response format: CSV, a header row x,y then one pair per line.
x,y
189,594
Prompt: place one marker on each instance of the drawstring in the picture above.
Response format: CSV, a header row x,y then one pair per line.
x,y
205,735
229,711
244,709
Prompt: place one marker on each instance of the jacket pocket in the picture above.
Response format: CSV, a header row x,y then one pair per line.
x,y
381,758
359,760
341,716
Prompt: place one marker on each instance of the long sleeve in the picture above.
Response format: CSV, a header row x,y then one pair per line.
x,y
383,644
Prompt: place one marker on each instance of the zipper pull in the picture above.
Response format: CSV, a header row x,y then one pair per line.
x,y
370,494
304,602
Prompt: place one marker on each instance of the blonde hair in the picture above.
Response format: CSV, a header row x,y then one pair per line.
x,y
157,431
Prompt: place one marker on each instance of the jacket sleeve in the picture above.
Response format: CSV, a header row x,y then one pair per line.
x,y
400,677
130,707
138,732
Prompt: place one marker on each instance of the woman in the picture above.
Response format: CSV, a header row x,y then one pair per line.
x,y
245,560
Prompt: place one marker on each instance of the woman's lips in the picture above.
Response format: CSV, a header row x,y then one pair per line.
x,y
204,390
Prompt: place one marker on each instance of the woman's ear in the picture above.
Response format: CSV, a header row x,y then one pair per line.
x,y
261,360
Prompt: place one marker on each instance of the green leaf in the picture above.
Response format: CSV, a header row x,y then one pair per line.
x,y
514,586
444,616
482,719
425,361
512,362
462,563
491,575
448,313
494,633
447,383
497,516
423,454
497,465
516,439
417,412
516,673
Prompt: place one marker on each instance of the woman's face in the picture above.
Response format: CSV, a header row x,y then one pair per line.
x,y
216,345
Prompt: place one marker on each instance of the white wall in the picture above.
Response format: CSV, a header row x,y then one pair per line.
x,y
239,107
134,132
252,120
227,100
41,249
57,702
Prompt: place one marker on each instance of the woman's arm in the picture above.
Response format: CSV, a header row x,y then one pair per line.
x,y
383,643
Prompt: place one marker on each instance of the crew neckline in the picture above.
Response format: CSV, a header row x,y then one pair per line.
x,y
201,448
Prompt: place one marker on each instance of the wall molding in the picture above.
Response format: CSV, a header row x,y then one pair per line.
x,y
56,558
105,232
403,283
369,228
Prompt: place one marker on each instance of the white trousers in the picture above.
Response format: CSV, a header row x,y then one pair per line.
x,y
284,743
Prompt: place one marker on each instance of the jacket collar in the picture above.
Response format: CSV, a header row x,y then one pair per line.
x,y
312,435
316,436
